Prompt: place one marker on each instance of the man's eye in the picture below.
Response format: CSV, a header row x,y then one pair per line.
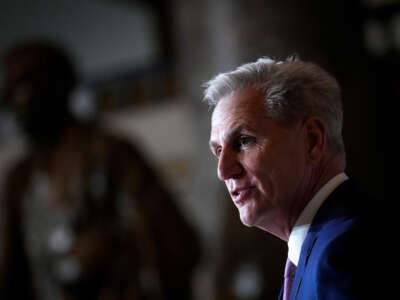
x,y
245,140
217,151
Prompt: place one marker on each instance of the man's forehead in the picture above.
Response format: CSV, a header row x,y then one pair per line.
x,y
235,113
245,104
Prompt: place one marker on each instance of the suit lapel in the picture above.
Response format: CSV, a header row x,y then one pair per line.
x,y
329,209
281,293
306,250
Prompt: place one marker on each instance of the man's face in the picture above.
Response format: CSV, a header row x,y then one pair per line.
x,y
262,164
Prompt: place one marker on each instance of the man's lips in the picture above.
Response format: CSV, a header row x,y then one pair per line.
x,y
240,195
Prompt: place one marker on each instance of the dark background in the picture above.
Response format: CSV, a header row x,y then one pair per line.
x,y
146,60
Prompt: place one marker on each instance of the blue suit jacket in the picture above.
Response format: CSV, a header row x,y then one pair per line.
x,y
335,259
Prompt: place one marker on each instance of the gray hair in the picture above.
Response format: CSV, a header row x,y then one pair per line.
x,y
293,90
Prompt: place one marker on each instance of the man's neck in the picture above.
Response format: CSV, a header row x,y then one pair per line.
x,y
330,166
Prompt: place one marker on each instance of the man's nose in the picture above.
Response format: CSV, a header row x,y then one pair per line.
x,y
228,165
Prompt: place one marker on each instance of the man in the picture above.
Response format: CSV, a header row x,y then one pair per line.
x,y
85,215
276,132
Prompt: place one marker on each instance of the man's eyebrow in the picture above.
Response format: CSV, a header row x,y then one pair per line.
x,y
233,132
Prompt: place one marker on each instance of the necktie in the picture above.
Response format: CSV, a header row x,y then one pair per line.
x,y
290,272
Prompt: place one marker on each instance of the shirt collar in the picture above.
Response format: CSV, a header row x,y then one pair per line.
x,y
302,225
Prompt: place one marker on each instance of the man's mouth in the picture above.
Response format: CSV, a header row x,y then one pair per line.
x,y
241,195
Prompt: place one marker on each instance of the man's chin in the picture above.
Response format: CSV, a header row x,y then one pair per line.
x,y
247,220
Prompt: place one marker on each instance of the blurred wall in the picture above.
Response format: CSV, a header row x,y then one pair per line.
x,y
104,36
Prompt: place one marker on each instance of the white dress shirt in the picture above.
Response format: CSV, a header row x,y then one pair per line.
x,y
302,225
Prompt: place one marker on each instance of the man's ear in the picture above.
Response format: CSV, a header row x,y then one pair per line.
x,y
316,138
